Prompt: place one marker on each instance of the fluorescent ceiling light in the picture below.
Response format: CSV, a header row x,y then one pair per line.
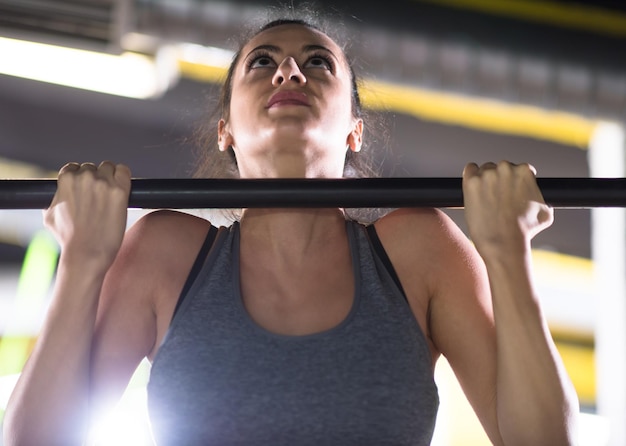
x,y
129,74
205,55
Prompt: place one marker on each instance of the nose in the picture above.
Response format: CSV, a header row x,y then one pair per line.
x,y
288,70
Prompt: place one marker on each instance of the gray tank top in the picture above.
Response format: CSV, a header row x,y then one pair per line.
x,y
221,379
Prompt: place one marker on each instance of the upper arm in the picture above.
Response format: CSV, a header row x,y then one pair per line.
x,y
149,270
462,323
432,255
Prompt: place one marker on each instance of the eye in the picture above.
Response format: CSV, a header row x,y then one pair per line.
x,y
319,61
261,61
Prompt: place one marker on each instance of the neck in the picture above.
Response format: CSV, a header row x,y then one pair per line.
x,y
291,232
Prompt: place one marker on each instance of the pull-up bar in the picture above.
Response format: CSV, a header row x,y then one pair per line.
x,y
188,193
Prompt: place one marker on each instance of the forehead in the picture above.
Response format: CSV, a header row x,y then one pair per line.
x,y
293,36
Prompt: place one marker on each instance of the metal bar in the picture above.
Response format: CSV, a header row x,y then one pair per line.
x,y
188,193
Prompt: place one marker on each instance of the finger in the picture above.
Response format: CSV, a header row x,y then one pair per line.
x,y
69,167
106,165
470,170
88,166
488,166
122,174
106,170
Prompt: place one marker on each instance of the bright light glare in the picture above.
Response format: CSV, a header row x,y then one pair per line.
x,y
593,430
129,74
7,384
606,149
126,425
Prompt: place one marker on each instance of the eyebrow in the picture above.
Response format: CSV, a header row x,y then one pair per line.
x,y
309,48
306,48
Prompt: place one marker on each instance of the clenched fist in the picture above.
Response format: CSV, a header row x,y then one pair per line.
x,y
504,208
89,209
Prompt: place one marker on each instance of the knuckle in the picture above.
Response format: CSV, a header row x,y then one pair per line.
x,y
527,170
87,167
68,167
505,166
490,175
64,177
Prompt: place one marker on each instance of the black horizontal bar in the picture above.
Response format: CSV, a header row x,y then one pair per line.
x,y
188,193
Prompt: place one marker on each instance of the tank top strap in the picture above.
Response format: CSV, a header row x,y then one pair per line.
x,y
197,266
381,254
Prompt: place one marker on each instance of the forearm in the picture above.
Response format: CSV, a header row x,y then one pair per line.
x,y
536,402
50,402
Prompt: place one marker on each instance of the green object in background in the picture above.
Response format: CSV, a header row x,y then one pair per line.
x,y
35,278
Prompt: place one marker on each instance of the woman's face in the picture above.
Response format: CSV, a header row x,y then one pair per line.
x,y
291,108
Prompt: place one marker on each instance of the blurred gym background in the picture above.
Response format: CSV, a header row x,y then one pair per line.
x,y
455,81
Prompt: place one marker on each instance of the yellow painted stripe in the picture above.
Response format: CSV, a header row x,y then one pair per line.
x,y
579,363
575,346
453,109
482,114
568,15
202,73
572,335
558,268
572,264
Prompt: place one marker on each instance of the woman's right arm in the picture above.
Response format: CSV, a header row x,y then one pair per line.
x,y
51,401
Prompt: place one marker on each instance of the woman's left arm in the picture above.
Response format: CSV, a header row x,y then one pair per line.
x,y
478,307
535,402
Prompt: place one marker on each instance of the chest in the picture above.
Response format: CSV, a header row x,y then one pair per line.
x,y
218,379
297,298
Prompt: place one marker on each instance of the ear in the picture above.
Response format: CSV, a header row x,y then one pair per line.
x,y
355,138
224,137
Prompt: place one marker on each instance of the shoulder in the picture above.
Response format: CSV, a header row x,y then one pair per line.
x,y
166,224
431,230
407,217
150,269
165,230
161,244
447,248
434,256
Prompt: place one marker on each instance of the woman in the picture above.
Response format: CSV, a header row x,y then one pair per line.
x,y
295,326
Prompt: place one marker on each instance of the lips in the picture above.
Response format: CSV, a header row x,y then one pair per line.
x,y
282,98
